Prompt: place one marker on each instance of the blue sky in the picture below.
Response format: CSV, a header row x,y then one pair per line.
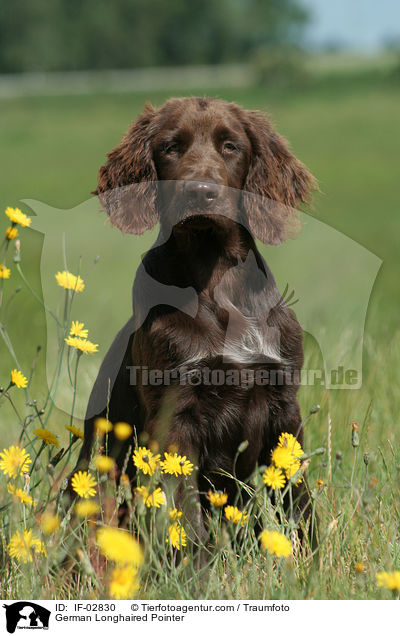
x,y
358,24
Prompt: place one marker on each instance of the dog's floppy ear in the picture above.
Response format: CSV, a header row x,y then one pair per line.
x,y
279,181
127,182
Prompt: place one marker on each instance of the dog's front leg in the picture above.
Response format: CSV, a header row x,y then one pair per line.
x,y
175,430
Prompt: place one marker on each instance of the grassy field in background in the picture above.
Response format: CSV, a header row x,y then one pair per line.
x,y
347,130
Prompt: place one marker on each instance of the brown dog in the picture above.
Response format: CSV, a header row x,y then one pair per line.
x,y
215,177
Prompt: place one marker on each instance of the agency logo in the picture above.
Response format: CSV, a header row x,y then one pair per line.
x,y
26,615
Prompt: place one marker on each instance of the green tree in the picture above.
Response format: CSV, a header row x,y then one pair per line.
x,y
87,34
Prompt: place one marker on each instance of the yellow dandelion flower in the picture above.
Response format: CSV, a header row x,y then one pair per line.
x,y
18,379
16,216
276,543
104,463
119,546
76,432
11,233
125,481
124,582
232,513
122,431
292,470
78,330
217,499
49,523
359,567
287,440
282,457
390,580
175,464
69,281
175,514
4,271
87,508
21,546
177,536
153,499
46,436
20,495
84,484
144,459
320,483
102,425
274,478
24,497
14,461
82,345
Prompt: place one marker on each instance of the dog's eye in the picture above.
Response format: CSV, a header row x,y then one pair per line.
x,y
171,148
228,147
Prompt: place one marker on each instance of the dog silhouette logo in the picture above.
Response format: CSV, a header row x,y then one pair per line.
x,y
332,290
26,615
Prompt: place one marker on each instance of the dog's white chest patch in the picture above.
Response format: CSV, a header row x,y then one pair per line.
x,y
247,341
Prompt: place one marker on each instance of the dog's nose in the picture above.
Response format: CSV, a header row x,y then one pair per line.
x,y
200,193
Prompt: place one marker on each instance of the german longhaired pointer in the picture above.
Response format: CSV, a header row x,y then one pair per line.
x,y
206,309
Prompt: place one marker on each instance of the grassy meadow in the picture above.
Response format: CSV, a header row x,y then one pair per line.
x,y
346,128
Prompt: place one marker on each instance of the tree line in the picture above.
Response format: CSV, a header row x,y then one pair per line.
x,y
61,35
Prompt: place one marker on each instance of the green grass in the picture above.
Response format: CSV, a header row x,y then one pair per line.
x,y
346,129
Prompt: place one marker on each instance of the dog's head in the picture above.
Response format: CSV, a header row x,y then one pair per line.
x,y
195,162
